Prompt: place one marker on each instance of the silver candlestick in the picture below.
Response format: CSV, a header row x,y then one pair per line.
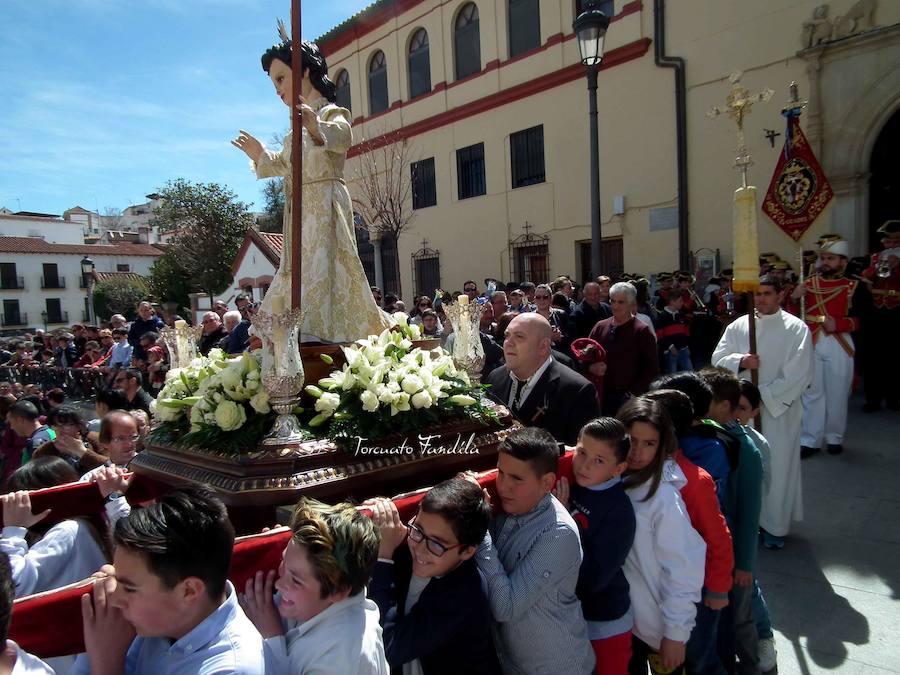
x,y
181,343
282,372
468,354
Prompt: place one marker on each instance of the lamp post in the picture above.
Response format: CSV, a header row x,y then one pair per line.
x,y
44,317
87,273
590,29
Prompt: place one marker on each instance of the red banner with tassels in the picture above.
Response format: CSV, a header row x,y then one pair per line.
x,y
799,190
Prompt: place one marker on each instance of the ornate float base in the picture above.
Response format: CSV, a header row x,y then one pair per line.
x,y
270,477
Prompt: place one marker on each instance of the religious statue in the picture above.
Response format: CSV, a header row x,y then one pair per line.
x,y
818,29
336,301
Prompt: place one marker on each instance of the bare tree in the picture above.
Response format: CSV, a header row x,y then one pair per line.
x,y
112,218
383,186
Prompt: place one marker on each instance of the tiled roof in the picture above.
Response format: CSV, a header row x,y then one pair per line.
x,y
35,245
106,276
275,241
347,23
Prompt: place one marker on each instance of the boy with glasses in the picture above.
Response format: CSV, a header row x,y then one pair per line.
x,y
433,609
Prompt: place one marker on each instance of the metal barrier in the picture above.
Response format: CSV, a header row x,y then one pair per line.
x,y
77,382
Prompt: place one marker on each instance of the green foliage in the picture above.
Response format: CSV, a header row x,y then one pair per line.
x,y
169,282
118,295
209,437
272,219
209,225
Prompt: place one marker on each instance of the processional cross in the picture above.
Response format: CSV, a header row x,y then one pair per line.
x,y
737,106
745,236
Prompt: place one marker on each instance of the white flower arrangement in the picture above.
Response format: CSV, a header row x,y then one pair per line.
x,y
215,394
387,385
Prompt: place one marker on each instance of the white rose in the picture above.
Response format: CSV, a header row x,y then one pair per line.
x,y
327,403
422,400
230,416
260,403
369,400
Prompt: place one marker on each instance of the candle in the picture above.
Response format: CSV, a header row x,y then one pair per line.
x,y
463,299
181,351
745,240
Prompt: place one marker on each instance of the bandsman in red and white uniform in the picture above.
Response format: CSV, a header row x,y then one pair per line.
x,y
881,368
829,300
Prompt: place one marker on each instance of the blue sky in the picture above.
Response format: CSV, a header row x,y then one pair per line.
x,y
103,101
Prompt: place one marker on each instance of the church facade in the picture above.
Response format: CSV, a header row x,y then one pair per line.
x,y
490,101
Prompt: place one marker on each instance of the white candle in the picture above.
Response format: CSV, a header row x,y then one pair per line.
x,y
181,329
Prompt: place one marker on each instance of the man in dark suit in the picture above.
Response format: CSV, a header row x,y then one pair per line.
x,y
538,390
586,315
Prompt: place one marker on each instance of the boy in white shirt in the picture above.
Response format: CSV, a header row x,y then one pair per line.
x,y
14,660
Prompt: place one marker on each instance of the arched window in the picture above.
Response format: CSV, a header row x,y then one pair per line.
x,y
524,26
342,91
419,64
467,42
378,89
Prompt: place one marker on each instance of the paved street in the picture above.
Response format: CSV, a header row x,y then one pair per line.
x,y
834,591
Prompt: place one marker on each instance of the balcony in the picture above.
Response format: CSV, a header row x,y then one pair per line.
x,y
16,319
53,282
12,283
61,317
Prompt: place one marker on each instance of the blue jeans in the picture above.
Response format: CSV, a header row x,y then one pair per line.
x,y
701,656
680,361
761,613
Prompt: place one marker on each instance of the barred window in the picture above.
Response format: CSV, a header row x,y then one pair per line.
x,y
424,191
470,176
527,156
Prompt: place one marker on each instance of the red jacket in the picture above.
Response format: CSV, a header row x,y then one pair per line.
x,y
699,495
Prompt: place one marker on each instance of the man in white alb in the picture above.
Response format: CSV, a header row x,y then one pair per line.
x,y
784,361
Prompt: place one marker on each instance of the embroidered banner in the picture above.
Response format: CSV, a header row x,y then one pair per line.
x,y
799,190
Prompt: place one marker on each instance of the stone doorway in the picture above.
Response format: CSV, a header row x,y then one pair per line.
x,y
884,179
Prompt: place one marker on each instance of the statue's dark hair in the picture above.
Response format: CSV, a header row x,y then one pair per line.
x,y
312,60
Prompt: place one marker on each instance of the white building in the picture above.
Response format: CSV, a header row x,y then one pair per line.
x,y
51,228
41,283
254,266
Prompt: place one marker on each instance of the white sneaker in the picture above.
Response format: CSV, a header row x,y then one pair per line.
x,y
767,655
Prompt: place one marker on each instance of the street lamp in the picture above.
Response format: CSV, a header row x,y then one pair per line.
x,y
87,273
44,317
590,29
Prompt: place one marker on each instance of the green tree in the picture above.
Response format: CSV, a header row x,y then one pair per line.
x,y
119,295
169,282
208,226
272,219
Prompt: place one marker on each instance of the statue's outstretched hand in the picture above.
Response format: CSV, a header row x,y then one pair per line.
x,y
251,147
